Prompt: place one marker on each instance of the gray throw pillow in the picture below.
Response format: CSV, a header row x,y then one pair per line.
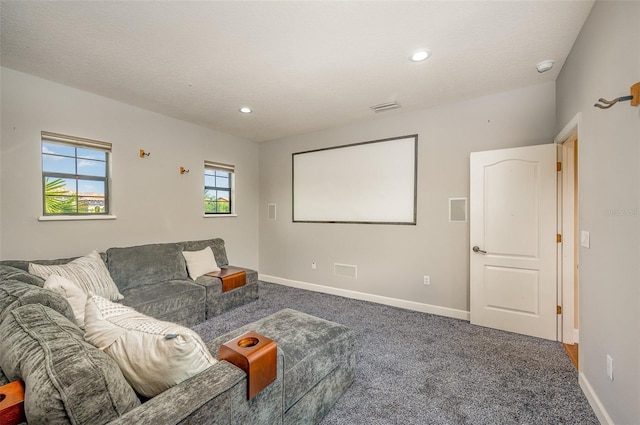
x,y
67,380
146,264
14,294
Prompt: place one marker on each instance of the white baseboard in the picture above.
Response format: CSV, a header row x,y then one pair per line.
x,y
594,401
394,302
576,336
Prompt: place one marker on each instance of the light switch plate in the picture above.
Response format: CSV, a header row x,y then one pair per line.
x,y
584,239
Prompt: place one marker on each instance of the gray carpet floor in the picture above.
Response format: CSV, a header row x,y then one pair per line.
x,y
417,368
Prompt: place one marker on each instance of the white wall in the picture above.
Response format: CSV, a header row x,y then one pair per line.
x,y
152,201
392,259
605,62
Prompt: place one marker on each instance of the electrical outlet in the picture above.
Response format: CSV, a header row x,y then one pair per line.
x,y
427,280
313,265
610,367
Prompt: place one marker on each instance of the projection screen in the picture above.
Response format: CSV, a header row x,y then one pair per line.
x,y
370,182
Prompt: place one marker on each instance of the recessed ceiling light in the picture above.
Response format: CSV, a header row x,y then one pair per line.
x,y
544,66
246,110
420,55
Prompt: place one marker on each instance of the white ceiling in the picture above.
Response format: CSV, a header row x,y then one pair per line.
x,y
302,66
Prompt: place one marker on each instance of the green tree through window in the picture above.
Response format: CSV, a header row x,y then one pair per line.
x,y
57,199
75,175
218,188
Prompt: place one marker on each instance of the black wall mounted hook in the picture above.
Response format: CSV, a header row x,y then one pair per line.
x,y
634,98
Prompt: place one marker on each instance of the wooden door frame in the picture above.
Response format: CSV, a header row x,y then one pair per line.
x,y
567,140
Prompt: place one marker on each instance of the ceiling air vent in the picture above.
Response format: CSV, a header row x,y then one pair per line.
x,y
385,106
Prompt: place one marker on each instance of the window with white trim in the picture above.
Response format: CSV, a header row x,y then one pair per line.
x,y
75,176
218,188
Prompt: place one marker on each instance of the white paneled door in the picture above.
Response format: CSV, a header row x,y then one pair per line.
x,y
513,240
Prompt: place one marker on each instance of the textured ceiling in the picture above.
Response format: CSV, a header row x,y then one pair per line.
x,y
301,66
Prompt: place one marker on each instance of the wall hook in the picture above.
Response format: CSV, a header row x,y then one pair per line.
x,y
143,153
609,103
183,170
634,98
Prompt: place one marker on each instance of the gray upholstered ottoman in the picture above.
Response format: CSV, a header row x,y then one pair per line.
x,y
319,362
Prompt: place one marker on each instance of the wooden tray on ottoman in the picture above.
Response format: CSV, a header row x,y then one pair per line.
x,y
231,278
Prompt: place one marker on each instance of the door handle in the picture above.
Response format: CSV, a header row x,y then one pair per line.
x,y
477,249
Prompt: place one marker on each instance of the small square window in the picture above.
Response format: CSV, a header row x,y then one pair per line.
x,y
75,175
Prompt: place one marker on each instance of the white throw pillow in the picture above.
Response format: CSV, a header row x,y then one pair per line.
x,y
74,295
153,355
200,262
88,272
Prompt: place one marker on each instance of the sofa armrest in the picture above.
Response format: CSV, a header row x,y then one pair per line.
x,y
206,395
217,302
211,283
216,396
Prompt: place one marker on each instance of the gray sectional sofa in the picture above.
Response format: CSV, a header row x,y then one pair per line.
x,y
154,281
71,381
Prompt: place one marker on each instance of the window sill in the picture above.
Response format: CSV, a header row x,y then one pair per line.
x,y
218,215
75,217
